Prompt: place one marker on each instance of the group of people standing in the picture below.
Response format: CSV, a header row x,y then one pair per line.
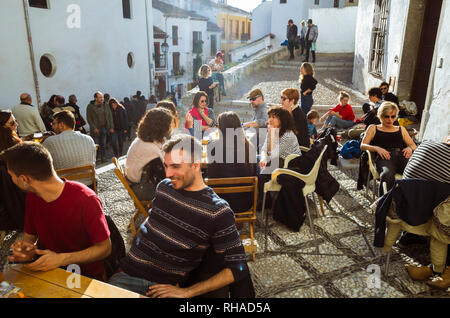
x,y
306,39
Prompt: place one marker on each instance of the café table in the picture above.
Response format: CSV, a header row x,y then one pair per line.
x,y
54,284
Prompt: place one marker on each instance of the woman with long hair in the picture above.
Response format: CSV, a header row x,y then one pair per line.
x,y
144,166
289,101
206,83
232,157
8,130
200,117
307,86
392,144
120,120
171,107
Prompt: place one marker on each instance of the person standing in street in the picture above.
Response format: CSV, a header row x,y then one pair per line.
x,y
291,35
303,30
310,40
100,122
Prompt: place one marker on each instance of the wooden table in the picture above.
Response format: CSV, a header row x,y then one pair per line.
x,y
52,284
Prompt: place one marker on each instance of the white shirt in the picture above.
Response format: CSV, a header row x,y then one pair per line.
x,y
139,154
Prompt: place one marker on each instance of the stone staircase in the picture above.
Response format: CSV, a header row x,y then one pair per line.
x,y
324,62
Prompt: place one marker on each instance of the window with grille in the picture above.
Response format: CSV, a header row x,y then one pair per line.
x,y
174,35
378,39
336,3
176,62
38,4
283,1
126,5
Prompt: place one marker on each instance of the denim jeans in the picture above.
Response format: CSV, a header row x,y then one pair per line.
x,y
306,103
134,284
100,139
337,122
117,142
218,77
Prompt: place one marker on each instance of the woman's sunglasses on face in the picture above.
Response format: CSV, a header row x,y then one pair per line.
x,y
392,116
202,100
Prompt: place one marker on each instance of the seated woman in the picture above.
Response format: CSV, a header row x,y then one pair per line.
x,y
200,117
223,149
206,83
282,123
173,110
12,199
392,143
289,101
217,67
144,166
341,116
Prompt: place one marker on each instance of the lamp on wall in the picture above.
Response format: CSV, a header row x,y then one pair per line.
x,y
165,47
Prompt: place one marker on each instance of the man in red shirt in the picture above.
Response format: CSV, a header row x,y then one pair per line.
x,y
64,220
341,116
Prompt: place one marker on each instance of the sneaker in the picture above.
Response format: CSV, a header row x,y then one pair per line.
x,y
441,281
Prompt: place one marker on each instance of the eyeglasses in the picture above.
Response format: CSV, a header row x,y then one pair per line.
x,y
254,98
283,98
203,101
383,88
392,116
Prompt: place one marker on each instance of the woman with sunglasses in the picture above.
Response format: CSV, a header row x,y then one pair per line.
x,y
392,144
8,130
289,100
200,117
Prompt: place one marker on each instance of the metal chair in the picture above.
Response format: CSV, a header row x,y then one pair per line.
x,y
309,188
141,206
77,173
375,176
222,185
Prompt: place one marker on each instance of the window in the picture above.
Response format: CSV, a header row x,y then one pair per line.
x,y
47,65
176,62
243,27
130,60
126,6
378,40
236,35
174,35
38,4
336,3
316,2
283,1
197,45
223,28
249,30
213,45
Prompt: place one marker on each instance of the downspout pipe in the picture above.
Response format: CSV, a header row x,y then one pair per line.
x,y
429,98
149,51
30,47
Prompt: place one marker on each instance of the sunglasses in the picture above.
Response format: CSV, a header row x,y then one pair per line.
x,y
203,101
392,116
254,98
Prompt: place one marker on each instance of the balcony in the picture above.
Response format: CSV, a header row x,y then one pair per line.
x,y
197,47
160,61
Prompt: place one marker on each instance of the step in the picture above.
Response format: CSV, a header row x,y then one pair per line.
x,y
317,68
316,64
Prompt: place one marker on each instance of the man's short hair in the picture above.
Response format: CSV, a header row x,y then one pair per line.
x,y
375,91
255,93
186,143
290,21
72,98
310,21
29,159
60,100
24,97
66,117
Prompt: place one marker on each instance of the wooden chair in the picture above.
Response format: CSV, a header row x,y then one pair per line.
x,y
141,206
375,176
77,173
2,237
222,186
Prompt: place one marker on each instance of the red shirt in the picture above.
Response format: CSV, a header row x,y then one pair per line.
x,y
73,222
345,111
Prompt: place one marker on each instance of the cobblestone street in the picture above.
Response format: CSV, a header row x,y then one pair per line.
x,y
283,271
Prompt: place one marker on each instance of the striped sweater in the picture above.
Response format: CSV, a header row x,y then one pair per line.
x,y
430,161
180,228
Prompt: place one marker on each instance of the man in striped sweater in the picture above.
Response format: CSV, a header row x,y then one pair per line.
x,y
186,219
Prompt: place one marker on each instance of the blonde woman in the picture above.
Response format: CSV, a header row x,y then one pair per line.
x,y
307,85
206,83
392,144
342,115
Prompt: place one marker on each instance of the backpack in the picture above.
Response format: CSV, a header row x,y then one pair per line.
x,y
351,149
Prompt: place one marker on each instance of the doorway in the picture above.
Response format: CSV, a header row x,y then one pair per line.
x,y
425,55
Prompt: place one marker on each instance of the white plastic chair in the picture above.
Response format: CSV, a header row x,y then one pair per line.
x,y
309,188
375,176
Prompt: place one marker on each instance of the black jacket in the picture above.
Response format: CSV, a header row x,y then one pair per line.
x,y
291,32
308,82
415,200
120,118
301,127
12,203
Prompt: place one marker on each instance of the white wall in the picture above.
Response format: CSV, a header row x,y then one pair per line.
x,y
438,126
398,13
296,10
88,59
261,20
251,48
337,28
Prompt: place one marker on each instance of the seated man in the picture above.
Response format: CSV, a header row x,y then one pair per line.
x,y
186,219
27,116
64,220
370,111
388,96
69,148
260,118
